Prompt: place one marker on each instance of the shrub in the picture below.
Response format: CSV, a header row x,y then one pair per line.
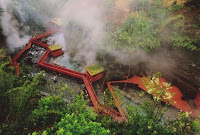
x,y
78,120
50,110
175,7
184,125
138,32
185,41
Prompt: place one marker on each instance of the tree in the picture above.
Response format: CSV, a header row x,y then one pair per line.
x,y
79,120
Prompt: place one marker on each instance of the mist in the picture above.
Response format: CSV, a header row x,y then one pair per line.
x,y
83,34
9,25
88,17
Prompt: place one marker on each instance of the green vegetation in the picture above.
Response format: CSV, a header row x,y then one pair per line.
x,y
175,7
137,32
170,20
25,111
141,31
148,119
79,120
95,69
108,100
144,30
185,41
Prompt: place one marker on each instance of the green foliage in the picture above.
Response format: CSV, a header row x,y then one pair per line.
x,y
154,110
143,121
185,41
49,111
138,32
30,15
157,13
142,4
141,31
170,20
79,120
139,121
184,125
6,82
20,102
24,111
184,35
175,7
80,125
145,29
160,90
18,97
108,99
148,119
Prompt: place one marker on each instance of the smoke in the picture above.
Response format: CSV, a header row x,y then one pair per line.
x,y
9,26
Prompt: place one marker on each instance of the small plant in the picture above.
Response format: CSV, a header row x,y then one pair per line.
x,y
185,41
107,99
175,7
184,125
160,92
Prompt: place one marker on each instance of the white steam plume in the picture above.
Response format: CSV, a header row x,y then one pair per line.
x,y
88,15
13,38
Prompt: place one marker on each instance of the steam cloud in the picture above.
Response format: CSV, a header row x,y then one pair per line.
x,y
10,30
87,14
83,30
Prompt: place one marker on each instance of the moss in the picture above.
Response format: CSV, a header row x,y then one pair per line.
x,y
94,69
55,47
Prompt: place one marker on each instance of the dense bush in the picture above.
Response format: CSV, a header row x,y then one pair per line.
x,y
17,99
49,111
141,31
146,28
78,120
